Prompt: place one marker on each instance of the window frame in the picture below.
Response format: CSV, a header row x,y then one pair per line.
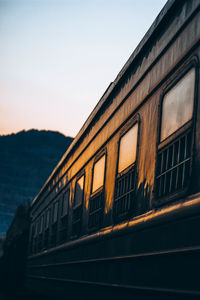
x,y
191,124
47,218
64,218
47,225
41,224
100,190
35,225
97,158
169,86
53,215
128,125
38,225
77,206
77,179
62,215
31,240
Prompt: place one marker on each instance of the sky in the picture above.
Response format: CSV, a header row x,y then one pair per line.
x,y
57,57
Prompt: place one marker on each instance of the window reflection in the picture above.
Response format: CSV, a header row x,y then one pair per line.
x,y
65,203
35,234
41,223
177,107
55,216
79,191
38,226
47,219
127,148
98,175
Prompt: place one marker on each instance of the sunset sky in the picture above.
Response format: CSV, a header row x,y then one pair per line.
x,y
57,57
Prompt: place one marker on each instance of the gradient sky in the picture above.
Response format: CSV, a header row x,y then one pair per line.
x,y
57,57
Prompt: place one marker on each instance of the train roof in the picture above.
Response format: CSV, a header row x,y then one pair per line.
x,y
142,47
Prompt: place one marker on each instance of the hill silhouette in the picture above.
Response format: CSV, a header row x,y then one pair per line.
x,y
27,158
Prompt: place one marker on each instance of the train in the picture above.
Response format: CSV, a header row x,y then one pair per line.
x,y
120,213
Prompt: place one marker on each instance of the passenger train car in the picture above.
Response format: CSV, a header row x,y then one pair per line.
x,y
120,214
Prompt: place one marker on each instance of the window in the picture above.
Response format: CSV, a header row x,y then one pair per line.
x,y
55,212
41,224
38,225
128,148
65,203
177,106
46,234
35,232
47,215
64,215
126,174
40,238
79,191
31,249
98,174
176,138
55,224
78,207
35,237
96,204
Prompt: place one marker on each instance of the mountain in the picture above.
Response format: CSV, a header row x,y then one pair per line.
x,y
27,158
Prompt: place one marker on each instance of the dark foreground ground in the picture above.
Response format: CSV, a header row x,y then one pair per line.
x,y
21,294
24,294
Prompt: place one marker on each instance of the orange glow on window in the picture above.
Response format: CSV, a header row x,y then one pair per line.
x,y
128,147
98,175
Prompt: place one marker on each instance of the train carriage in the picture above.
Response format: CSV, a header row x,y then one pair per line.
x,y
120,213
